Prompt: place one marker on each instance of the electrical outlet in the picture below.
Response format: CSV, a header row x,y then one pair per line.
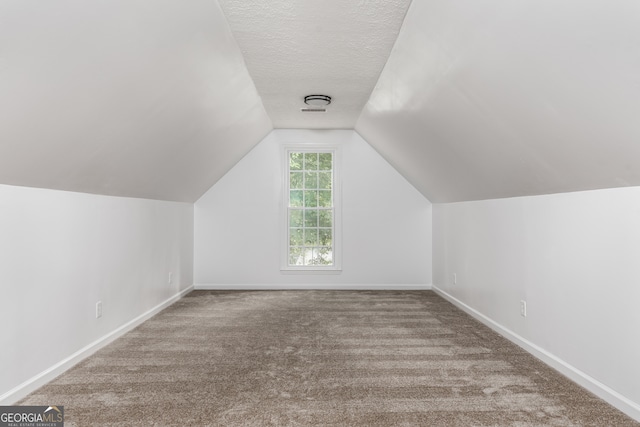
x,y
170,278
98,309
523,308
455,279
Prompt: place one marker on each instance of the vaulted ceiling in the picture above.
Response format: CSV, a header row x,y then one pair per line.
x,y
159,99
331,47
498,98
146,98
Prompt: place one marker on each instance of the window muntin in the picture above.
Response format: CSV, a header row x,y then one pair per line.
x,y
311,209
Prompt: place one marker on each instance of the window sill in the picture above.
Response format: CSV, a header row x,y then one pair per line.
x,y
308,270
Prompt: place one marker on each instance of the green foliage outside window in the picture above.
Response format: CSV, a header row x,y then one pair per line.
x,y
310,208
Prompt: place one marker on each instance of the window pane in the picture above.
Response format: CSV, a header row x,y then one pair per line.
x,y
314,257
311,236
310,199
295,198
325,161
295,180
311,161
324,198
310,180
295,161
324,181
325,236
311,218
296,256
321,256
296,237
324,256
310,209
295,218
326,218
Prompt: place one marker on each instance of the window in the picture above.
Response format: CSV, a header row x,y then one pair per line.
x,y
311,209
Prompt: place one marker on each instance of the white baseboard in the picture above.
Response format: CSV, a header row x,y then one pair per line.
x,y
21,391
607,394
312,286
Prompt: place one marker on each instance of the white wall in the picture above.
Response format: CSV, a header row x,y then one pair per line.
x,y
574,258
61,252
386,222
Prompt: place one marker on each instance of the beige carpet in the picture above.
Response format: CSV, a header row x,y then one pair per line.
x,y
329,358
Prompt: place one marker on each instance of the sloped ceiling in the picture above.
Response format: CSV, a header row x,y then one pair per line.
x,y
478,100
146,98
500,98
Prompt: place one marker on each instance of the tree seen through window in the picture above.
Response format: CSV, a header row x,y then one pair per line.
x,y
310,209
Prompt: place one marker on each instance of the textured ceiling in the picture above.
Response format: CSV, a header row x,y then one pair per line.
x,y
478,100
143,99
495,99
295,48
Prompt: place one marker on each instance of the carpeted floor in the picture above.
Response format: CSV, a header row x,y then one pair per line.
x,y
326,358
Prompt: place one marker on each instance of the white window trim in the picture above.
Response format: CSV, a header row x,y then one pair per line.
x,y
336,268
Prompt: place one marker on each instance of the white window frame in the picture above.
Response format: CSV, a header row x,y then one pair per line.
x,y
336,268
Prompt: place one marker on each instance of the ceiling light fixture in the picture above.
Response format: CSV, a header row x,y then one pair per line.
x,y
317,100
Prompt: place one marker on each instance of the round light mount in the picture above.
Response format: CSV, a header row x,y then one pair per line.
x,y
317,100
